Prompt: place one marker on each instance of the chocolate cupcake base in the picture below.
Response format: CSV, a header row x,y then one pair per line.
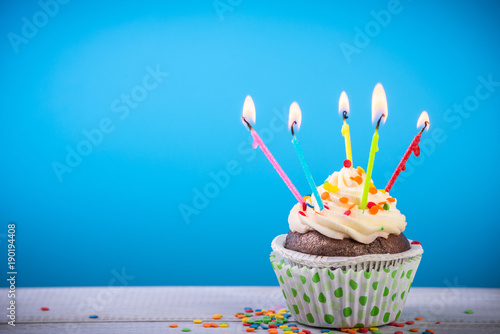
x,y
315,243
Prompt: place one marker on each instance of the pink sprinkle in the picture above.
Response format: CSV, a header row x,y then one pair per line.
x,y
410,322
370,204
302,213
326,206
347,213
400,325
44,308
414,242
363,330
392,324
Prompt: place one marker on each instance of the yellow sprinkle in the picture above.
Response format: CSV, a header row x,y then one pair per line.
x,y
305,198
330,187
284,310
197,321
217,315
373,328
284,326
245,319
382,191
359,168
279,316
223,325
287,332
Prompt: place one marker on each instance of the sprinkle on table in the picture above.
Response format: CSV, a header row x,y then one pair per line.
x,y
419,318
413,329
93,316
469,312
44,308
197,321
186,330
172,325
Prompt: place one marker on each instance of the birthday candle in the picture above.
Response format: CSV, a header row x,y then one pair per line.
x,y
295,117
344,111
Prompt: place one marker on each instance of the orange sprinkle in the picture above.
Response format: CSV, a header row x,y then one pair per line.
x,y
213,324
390,199
250,329
419,318
344,330
240,316
413,329
430,331
352,331
343,199
360,170
172,325
215,317
373,190
374,210
352,206
261,313
358,179
324,196
272,331
381,203
206,325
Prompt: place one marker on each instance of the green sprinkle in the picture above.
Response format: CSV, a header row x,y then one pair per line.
x,y
186,330
469,312
382,228
386,206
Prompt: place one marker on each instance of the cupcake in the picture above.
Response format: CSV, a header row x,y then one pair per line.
x,y
346,267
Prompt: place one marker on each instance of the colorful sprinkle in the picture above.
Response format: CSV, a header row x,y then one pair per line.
x,y
44,308
438,323
347,163
419,318
374,210
410,322
415,242
360,170
382,191
347,212
213,324
386,207
207,325
93,316
172,325
398,332
413,329
325,196
224,324
429,331
197,321
382,228
330,187
358,179
390,199
373,190
343,200
469,312
250,329
302,213
186,330
363,330
309,205
370,204
399,325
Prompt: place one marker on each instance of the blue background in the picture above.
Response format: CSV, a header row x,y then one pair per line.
x,y
120,207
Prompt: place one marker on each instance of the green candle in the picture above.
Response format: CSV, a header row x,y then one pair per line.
x,y
369,170
379,110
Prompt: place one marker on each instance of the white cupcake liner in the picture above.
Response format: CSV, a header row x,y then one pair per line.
x,y
340,292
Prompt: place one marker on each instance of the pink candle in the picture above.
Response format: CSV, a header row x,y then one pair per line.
x,y
249,111
257,141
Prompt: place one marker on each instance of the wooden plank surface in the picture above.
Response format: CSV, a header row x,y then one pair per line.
x,y
152,309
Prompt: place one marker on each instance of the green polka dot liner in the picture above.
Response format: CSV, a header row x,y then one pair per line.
x,y
344,297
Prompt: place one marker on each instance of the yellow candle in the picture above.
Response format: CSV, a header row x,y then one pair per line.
x,y
347,139
344,111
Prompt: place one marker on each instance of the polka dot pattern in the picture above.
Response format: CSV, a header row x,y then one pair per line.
x,y
338,298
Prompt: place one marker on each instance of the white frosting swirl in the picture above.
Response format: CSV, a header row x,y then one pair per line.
x,y
335,222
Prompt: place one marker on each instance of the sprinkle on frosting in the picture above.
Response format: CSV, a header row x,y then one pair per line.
x,y
342,218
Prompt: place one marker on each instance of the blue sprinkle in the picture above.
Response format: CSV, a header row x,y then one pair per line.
x,y
254,325
264,327
325,330
248,308
292,325
258,310
309,205
286,315
295,331
93,316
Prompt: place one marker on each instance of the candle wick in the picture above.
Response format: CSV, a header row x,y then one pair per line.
x,y
425,125
378,123
344,115
248,124
291,127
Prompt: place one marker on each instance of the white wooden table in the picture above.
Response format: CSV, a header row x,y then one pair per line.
x,y
153,309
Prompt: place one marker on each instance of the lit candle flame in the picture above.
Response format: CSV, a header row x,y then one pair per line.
x,y
294,115
422,120
343,103
249,110
379,104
